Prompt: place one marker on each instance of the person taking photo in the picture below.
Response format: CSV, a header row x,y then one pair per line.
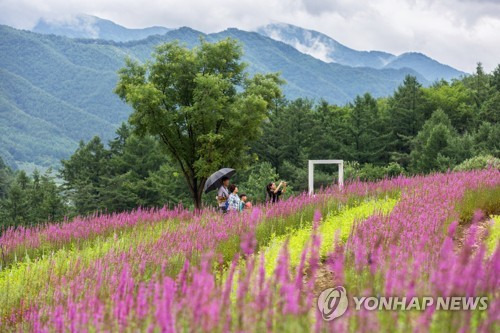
x,y
274,192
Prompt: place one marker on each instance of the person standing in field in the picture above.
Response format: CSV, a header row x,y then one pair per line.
x,y
245,204
234,201
223,194
274,192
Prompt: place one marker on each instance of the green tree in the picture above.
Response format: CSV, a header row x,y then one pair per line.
x,y
199,104
269,147
84,175
256,180
170,185
35,197
16,204
495,78
364,140
487,139
408,112
129,182
433,146
52,207
5,179
490,109
296,132
328,131
456,101
481,85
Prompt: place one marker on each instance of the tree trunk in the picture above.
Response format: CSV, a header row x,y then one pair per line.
x,y
197,198
198,192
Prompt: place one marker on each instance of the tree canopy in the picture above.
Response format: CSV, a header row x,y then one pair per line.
x,y
200,104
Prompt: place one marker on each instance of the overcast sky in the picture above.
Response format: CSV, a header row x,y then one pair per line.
x,y
455,32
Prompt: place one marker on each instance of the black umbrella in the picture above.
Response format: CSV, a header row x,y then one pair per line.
x,y
215,180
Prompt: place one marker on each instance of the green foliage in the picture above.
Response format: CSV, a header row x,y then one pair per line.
x,y
364,138
436,145
257,178
478,163
134,171
31,200
487,139
5,179
370,172
456,101
199,104
84,175
408,112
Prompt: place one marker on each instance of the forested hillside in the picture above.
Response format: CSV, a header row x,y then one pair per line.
x,y
56,90
447,126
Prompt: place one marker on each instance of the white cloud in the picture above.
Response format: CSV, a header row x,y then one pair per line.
x,y
455,32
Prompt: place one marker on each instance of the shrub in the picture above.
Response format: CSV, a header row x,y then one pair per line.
x,y
478,163
369,172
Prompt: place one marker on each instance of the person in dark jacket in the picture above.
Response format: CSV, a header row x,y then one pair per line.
x,y
274,192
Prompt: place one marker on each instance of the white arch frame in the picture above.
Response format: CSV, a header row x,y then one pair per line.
x,y
340,163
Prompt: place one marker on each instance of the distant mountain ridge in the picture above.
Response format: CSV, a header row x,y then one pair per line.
x,y
88,26
56,91
306,41
328,49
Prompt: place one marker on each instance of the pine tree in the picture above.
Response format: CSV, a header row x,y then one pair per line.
x,y
432,147
5,179
364,140
84,174
16,204
328,132
408,112
130,168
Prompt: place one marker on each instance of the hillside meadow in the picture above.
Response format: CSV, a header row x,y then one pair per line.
x,y
161,270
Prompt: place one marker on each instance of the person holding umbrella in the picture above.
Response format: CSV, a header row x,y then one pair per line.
x,y
223,194
219,181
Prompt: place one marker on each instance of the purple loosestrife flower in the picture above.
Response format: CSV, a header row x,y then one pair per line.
x,y
281,272
336,260
248,243
262,288
183,277
478,216
299,275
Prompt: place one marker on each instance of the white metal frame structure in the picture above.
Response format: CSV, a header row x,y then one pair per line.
x,y
340,163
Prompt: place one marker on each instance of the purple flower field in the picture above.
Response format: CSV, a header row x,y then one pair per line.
x,y
179,271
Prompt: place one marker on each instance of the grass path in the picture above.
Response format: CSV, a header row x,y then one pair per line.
x,y
341,224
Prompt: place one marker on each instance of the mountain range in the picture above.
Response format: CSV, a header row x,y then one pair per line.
x,y
56,85
88,26
328,49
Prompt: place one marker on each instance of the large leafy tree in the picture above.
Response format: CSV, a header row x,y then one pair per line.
x,y
200,104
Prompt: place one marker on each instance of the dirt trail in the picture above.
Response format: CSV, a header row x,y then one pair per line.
x,y
463,231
